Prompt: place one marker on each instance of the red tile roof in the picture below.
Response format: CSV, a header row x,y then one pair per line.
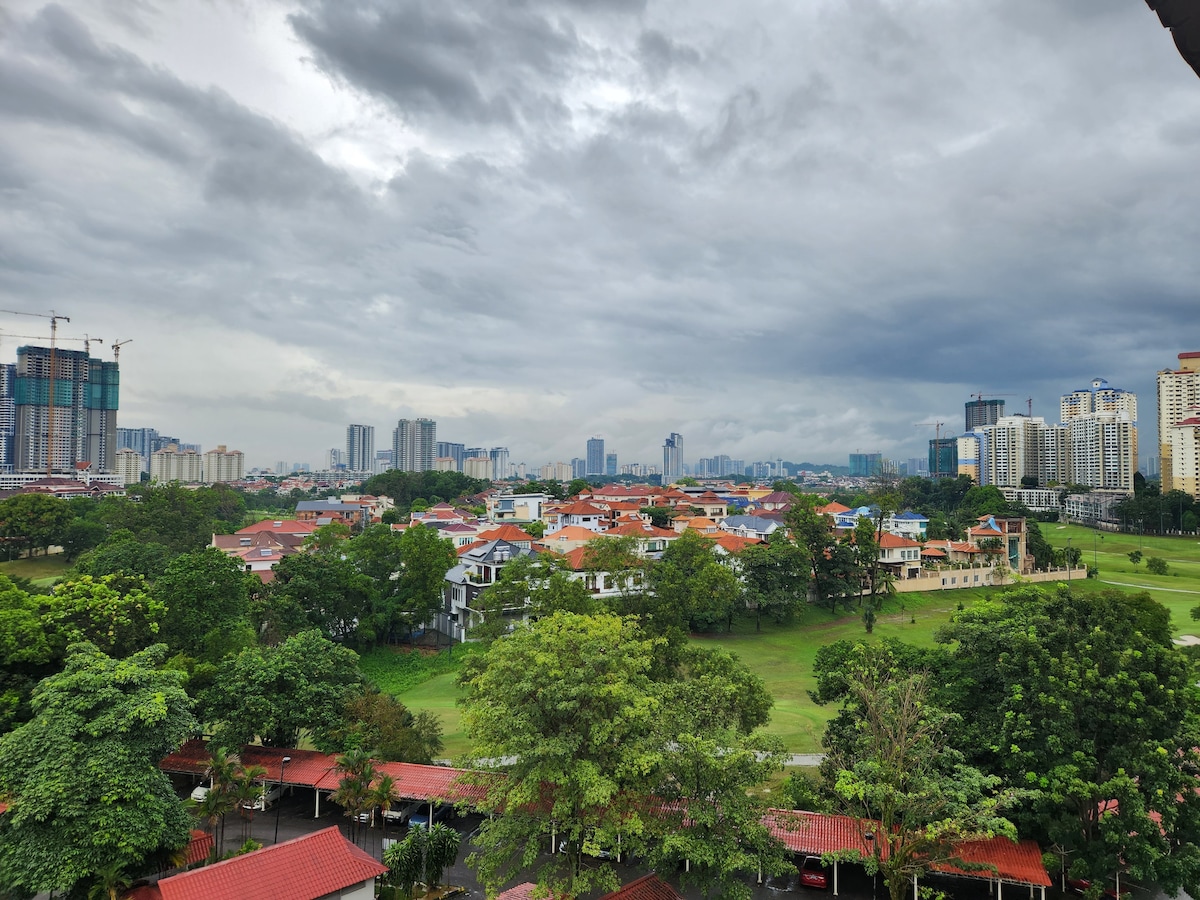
x,y
199,847
519,892
306,768
814,833
305,868
817,834
648,887
641,529
280,526
1020,862
734,543
580,509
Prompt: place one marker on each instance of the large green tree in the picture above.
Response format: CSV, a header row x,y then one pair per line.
x,y
34,521
206,595
115,612
776,577
599,731
901,777
570,701
691,588
82,777
1084,698
275,693
324,590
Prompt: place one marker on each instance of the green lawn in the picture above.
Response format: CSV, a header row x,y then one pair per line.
x,y
783,655
1178,590
41,570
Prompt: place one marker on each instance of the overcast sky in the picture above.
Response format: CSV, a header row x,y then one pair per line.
x,y
779,227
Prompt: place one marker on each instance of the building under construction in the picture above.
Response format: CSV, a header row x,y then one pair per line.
x,y
75,425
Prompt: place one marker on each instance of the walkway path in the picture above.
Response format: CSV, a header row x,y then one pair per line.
x,y
1149,587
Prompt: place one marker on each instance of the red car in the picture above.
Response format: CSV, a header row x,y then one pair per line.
x,y
813,874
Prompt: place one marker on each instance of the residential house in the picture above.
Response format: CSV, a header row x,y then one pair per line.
x,y
259,551
758,527
516,507
579,513
319,866
479,565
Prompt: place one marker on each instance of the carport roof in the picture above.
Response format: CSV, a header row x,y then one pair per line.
x,y
817,834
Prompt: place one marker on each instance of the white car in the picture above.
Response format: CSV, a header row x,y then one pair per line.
x,y
266,797
200,792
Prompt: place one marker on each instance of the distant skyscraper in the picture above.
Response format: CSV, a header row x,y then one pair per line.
x,y
1023,451
672,458
578,468
499,458
85,400
863,465
983,412
610,464
360,448
414,442
457,452
595,457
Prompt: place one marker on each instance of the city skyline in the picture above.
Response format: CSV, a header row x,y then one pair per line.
x,y
777,231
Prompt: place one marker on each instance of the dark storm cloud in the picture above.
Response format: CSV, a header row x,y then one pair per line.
x,y
483,63
789,230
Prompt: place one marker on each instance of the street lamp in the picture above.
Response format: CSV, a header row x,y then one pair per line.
x,y
1068,558
279,802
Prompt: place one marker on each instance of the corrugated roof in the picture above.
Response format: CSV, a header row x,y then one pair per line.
x,y
305,868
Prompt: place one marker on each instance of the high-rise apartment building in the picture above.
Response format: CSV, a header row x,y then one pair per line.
x,y
360,448
8,417
595,457
610,464
456,452
499,458
173,464
75,423
672,469
478,467
1022,451
1178,402
222,465
1101,424
415,443
129,465
983,412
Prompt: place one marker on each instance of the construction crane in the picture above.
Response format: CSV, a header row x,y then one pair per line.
x,y
979,396
42,337
88,340
116,349
937,456
54,319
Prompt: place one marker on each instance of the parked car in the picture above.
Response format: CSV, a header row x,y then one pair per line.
x,y
399,813
813,874
421,819
200,792
1081,886
267,796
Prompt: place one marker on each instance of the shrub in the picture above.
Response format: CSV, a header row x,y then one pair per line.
x,y
1156,566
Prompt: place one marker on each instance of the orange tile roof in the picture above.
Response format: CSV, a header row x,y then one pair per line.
x,y
1020,862
735,543
199,846
832,509
580,508
506,532
304,868
640,529
570,533
518,892
699,522
890,541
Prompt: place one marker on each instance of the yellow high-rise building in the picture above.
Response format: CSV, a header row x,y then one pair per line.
x,y
1178,400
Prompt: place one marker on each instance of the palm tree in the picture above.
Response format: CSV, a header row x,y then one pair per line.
x,y
383,796
221,770
111,882
354,788
213,809
248,787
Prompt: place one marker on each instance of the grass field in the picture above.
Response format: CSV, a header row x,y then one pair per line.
x,y
783,655
41,570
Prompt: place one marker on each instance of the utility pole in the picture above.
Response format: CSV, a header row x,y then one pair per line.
x,y
54,319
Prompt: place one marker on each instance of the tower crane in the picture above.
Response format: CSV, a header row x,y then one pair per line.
x,y
937,456
54,319
116,349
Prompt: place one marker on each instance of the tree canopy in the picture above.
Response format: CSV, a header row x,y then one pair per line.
x,y
82,776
